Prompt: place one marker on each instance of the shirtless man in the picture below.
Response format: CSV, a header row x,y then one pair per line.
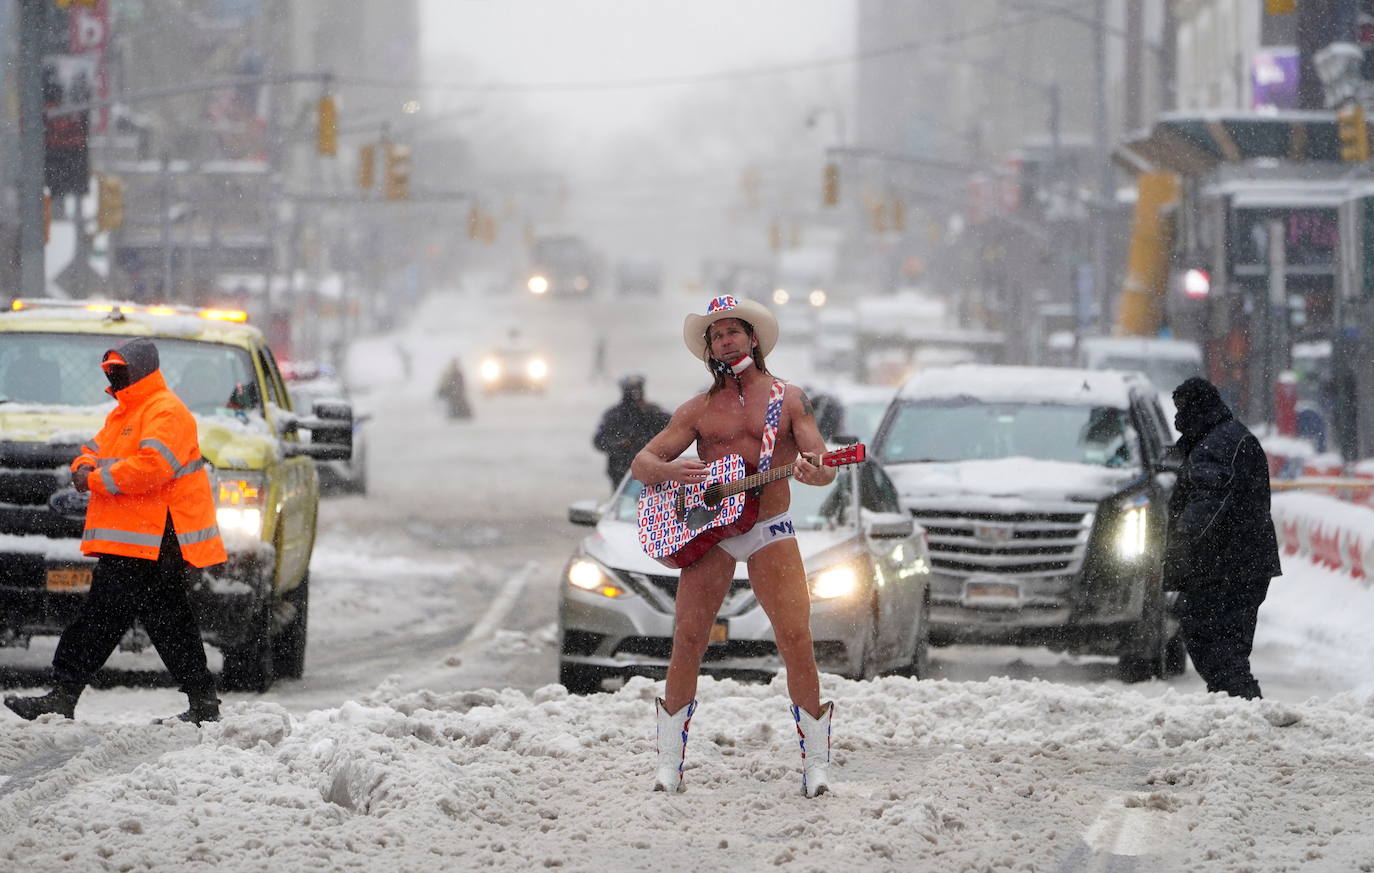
x,y
732,338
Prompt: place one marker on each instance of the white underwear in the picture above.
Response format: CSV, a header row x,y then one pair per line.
x,y
763,533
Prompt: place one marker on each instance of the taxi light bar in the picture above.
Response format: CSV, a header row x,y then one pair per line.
x,y
234,315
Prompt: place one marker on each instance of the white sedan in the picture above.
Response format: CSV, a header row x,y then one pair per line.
x,y
867,571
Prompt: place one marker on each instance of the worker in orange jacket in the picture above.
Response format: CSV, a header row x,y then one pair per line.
x,y
151,526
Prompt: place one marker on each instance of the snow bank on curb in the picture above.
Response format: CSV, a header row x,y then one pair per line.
x,y
1331,533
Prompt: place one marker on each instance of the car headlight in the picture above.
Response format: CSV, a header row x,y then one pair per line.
x,y
538,284
240,496
1132,532
835,582
491,369
537,369
588,575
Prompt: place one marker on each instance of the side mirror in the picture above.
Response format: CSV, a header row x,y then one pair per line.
x,y
330,430
1171,461
889,526
585,512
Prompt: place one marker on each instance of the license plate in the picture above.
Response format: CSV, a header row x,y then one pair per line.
x,y
992,594
720,633
69,580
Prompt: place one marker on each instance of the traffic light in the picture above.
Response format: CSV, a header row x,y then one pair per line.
x,y
1354,135
110,209
397,183
327,127
367,166
830,185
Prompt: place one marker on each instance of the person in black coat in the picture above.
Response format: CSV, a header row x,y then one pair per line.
x,y
1222,550
626,427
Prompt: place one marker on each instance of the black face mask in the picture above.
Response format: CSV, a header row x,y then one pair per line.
x,y
118,377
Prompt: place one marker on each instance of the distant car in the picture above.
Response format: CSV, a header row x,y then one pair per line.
x,y
866,568
513,370
308,382
1045,493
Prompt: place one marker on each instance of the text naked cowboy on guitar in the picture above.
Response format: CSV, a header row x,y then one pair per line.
x,y
678,523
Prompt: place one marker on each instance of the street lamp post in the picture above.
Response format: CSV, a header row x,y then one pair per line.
x,y
29,184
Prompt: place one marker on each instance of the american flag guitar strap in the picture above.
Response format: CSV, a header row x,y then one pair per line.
x,y
771,417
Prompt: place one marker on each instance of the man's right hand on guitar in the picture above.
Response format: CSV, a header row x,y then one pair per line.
x,y
688,471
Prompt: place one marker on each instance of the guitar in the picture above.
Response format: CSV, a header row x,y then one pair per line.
x,y
680,523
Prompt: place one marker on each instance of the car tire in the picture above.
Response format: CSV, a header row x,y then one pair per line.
x,y
1175,656
919,668
578,679
288,649
249,667
868,657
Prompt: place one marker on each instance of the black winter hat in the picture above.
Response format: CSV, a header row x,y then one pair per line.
x,y
1195,394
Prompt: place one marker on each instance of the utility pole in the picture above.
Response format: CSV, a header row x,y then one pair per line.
x,y
29,184
1106,194
165,227
1133,114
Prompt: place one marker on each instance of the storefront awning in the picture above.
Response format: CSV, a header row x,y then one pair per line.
x,y
1193,144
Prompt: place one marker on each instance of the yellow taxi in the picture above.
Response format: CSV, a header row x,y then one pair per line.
x,y
261,453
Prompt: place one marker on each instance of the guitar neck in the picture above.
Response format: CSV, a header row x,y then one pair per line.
x,y
722,490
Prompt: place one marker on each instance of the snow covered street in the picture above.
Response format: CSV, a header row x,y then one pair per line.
x,y
426,735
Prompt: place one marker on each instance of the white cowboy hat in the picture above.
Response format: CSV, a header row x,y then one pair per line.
x,y
726,306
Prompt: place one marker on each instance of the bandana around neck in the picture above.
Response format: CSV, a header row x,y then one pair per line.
x,y
742,364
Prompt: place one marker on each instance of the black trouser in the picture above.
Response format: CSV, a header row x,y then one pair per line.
x,y
1217,620
152,591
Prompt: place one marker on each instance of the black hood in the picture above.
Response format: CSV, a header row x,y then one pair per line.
x,y
1200,409
141,356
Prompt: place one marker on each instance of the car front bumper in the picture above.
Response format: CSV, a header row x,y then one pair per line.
x,y
626,636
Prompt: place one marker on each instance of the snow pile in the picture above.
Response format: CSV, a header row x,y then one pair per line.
x,y
997,775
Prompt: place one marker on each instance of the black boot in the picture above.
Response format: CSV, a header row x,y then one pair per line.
x,y
61,700
204,707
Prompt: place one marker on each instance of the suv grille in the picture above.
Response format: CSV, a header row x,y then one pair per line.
x,y
1024,543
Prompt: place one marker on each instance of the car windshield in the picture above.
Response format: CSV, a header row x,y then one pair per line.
x,y
861,419
1166,374
813,507
965,430
57,369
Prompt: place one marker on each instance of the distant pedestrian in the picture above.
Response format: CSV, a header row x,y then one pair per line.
x,y
453,390
599,370
1222,550
150,523
626,427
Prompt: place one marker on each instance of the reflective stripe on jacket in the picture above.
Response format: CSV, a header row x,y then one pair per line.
x,y
147,463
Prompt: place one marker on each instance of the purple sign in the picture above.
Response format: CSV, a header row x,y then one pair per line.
x,y
1274,79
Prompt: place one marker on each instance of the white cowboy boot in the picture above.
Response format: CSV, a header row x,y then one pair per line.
x,y
814,736
672,745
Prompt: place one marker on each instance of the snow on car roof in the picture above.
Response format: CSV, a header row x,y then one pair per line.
x,y
992,383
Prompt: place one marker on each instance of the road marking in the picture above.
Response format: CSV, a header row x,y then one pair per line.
x,y
499,608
